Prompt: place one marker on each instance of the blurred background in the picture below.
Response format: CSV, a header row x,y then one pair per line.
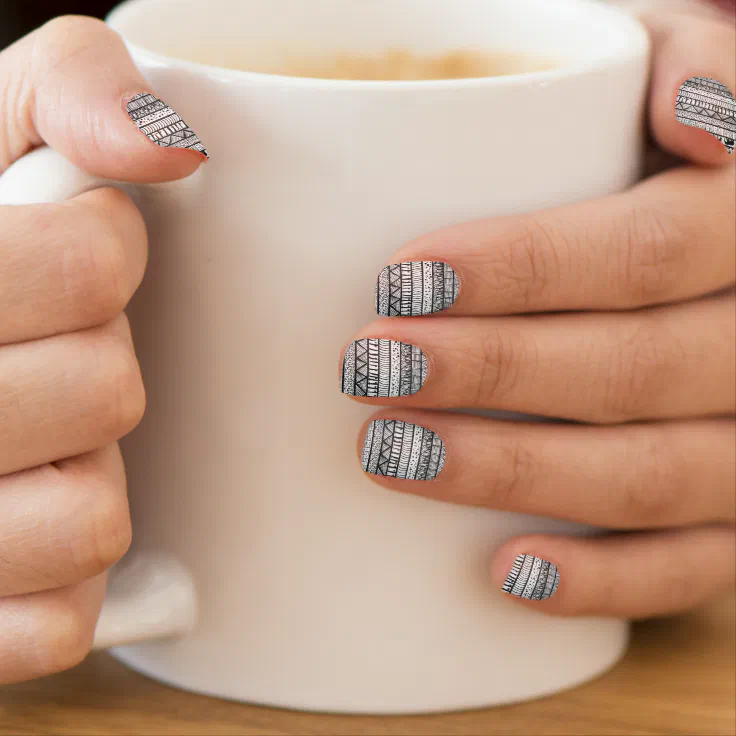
x,y
18,17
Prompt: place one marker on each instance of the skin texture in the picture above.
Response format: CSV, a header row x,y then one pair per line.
x,y
70,386
617,314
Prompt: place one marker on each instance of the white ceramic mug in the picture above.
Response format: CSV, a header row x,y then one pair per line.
x,y
278,571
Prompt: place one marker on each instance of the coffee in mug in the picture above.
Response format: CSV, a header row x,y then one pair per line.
x,y
390,65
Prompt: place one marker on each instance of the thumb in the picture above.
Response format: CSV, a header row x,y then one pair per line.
x,y
69,84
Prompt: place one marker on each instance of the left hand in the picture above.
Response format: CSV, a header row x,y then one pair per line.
x,y
617,313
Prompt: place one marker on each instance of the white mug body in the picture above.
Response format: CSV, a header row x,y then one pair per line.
x,y
318,589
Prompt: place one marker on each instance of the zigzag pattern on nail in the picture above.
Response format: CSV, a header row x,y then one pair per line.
x,y
402,450
379,367
415,287
532,578
161,124
706,103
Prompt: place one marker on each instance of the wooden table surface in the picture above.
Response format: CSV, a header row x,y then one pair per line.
x,y
677,678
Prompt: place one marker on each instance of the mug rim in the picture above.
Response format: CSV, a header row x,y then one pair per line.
x,y
637,45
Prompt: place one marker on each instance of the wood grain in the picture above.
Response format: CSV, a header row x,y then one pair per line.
x,y
678,678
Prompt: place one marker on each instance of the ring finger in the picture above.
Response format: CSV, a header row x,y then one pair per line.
x,y
626,477
665,362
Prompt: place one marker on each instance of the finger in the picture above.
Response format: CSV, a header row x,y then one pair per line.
x,y
68,84
67,395
63,523
666,362
643,247
47,632
69,266
689,45
636,575
636,476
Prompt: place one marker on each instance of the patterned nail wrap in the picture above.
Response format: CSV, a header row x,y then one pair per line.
x,y
161,124
708,104
415,287
532,578
378,367
402,450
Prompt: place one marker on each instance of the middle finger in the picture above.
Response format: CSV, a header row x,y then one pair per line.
x,y
666,362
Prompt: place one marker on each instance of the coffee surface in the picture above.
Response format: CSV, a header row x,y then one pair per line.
x,y
395,64
404,65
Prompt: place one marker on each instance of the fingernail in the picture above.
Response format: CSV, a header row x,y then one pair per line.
x,y
402,450
708,104
378,367
161,124
532,578
415,287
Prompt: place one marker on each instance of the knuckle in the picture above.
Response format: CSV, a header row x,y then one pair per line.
x,y
121,395
640,372
106,534
64,36
513,477
501,357
652,486
673,588
603,598
96,269
61,41
525,266
653,256
65,641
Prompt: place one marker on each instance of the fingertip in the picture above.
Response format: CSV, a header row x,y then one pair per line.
x,y
696,143
528,576
691,99
170,148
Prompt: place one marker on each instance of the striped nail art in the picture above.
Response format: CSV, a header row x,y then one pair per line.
x,y
532,578
161,124
708,104
415,287
379,367
402,450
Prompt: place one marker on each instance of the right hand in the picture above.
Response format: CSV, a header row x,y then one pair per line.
x,y
70,385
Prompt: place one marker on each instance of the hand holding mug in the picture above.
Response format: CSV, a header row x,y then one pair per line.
x,y
616,313
598,312
70,385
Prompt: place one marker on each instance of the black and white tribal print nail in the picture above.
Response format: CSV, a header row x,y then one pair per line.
x,y
708,104
379,367
415,287
161,124
402,450
532,578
